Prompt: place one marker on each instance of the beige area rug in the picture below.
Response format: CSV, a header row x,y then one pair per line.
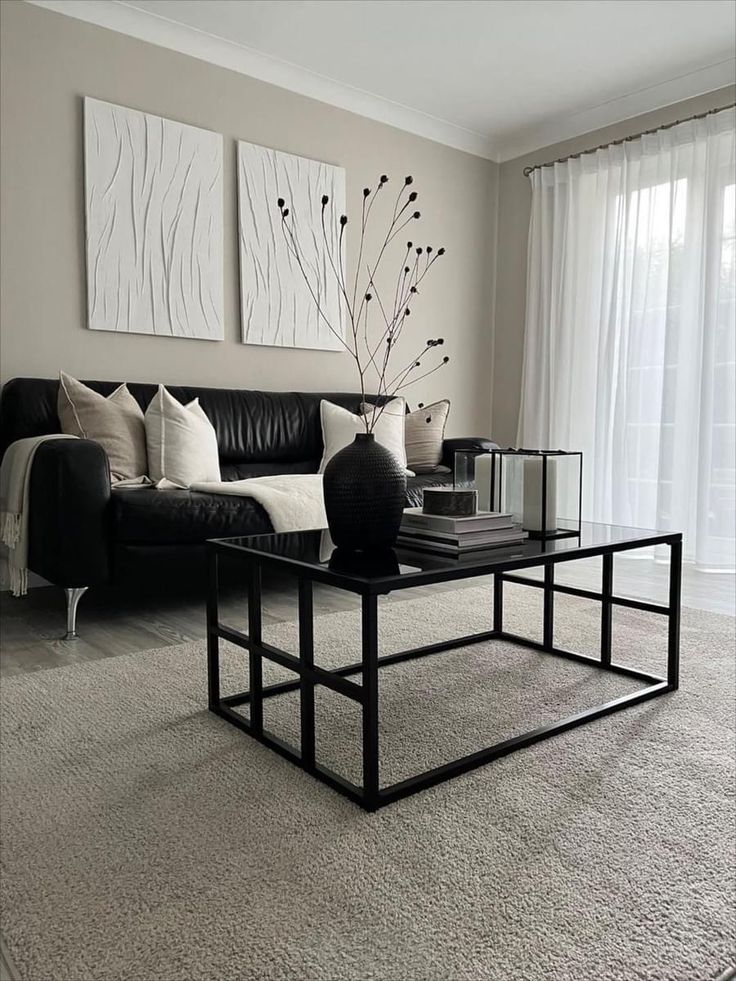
x,y
144,838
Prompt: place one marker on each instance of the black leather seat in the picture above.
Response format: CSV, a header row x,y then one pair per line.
x,y
165,517
415,485
84,533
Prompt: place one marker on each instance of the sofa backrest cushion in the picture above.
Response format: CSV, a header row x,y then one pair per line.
x,y
257,432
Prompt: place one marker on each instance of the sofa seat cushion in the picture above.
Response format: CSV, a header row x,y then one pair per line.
x,y
150,516
143,515
415,485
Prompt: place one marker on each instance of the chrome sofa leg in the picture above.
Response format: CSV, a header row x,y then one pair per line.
x,y
73,597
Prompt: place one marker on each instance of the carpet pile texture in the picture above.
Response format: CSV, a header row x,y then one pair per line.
x,y
144,839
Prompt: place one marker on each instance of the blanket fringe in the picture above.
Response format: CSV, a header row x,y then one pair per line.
x,y
18,580
10,525
10,528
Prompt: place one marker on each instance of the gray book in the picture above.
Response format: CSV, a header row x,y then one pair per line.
x,y
482,521
513,536
475,537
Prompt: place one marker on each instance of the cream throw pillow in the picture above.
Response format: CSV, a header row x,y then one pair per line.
x,y
339,428
425,432
182,443
115,422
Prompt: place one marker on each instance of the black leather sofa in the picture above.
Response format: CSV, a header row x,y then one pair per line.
x,y
84,533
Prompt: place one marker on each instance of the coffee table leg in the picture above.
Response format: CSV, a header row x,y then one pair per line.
x,y
370,701
606,609
673,623
548,616
498,601
306,656
254,653
213,640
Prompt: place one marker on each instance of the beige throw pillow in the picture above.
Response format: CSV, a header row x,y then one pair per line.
x,y
340,426
182,443
115,422
425,432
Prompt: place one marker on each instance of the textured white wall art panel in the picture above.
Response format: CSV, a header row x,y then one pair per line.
x,y
277,307
154,224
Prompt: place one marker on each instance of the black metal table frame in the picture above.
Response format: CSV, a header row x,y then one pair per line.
x,y
371,795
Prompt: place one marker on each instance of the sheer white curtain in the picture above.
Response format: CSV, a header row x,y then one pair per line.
x,y
630,334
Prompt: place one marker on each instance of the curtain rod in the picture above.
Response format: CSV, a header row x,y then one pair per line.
x,y
626,139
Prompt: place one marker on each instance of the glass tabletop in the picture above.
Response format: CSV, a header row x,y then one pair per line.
x,y
311,554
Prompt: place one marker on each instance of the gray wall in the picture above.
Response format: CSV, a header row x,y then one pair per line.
x,y
513,227
49,62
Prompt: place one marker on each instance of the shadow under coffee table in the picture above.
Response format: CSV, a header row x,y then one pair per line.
x,y
299,554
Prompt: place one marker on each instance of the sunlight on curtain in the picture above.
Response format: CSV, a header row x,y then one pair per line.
x,y
630,334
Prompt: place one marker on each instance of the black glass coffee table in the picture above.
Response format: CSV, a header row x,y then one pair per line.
x,y
303,555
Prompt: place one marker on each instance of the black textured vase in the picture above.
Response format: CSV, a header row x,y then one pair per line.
x,y
365,495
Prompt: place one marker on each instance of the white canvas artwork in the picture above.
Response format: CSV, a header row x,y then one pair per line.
x,y
153,191
277,307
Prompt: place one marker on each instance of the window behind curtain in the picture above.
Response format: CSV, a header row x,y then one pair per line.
x,y
630,334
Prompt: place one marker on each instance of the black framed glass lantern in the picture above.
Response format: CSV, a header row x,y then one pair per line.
x,y
542,489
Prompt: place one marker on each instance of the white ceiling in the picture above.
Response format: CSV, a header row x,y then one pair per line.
x,y
496,77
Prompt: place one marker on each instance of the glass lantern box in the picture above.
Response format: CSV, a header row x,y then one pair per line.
x,y
542,489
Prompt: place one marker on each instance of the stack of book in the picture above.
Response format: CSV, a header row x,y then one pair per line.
x,y
458,536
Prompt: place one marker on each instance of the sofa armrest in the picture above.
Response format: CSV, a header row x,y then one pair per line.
x,y
68,520
474,444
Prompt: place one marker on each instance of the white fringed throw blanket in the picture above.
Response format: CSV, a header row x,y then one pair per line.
x,y
293,502
15,480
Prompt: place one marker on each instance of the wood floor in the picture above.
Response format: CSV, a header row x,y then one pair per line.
x,y
111,624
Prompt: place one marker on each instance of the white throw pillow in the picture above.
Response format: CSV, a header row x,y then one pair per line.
x,y
340,426
181,441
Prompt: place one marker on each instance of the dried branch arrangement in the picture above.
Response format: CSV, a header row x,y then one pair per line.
x,y
372,338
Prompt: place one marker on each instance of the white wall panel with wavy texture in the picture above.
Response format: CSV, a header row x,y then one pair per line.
x,y
154,201
277,306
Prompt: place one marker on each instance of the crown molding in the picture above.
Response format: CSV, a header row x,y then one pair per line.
x,y
557,129
117,15
155,29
